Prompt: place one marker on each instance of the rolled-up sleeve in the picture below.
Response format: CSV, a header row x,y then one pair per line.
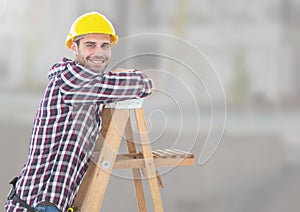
x,y
81,86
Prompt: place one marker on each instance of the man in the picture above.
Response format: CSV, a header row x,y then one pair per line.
x,y
68,121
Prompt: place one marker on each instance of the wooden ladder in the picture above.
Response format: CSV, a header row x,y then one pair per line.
x,y
116,121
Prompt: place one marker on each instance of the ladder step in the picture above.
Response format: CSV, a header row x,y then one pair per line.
x,y
162,158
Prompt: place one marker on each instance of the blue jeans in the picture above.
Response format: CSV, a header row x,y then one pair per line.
x,y
46,208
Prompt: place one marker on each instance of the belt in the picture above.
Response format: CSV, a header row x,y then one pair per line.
x,y
14,196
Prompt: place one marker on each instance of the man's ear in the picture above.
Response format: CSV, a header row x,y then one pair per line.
x,y
74,47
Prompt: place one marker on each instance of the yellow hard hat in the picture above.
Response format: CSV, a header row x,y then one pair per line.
x,y
88,23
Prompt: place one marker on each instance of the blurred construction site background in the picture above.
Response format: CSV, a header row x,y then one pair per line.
x,y
226,74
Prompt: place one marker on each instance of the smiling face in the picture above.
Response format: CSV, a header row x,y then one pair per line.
x,y
93,51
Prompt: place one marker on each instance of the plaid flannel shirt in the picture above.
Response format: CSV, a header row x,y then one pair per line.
x,y
66,127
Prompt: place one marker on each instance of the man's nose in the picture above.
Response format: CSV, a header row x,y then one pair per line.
x,y
99,51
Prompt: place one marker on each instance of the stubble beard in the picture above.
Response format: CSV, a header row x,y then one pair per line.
x,y
94,63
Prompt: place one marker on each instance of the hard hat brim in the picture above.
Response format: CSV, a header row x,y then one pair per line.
x,y
114,39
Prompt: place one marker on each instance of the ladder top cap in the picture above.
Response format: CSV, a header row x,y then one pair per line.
x,y
127,104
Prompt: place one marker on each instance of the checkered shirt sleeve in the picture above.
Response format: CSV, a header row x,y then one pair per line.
x,y
80,85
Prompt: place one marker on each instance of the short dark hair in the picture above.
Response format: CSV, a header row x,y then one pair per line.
x,y
77,42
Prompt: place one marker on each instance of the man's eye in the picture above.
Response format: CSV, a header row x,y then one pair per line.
x,y
105,46
90,45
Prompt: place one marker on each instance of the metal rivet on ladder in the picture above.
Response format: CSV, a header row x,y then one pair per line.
x,y
105,164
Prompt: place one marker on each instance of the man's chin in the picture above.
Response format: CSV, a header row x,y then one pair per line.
x,y
96,68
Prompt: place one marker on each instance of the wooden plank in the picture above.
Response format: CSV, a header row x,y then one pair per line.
x,y
174,158
172,152
155,154
122,163
159,180
160,154
116,121
149,161
137,179
181,151
168,153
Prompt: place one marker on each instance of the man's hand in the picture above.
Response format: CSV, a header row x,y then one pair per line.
x,y
119,70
